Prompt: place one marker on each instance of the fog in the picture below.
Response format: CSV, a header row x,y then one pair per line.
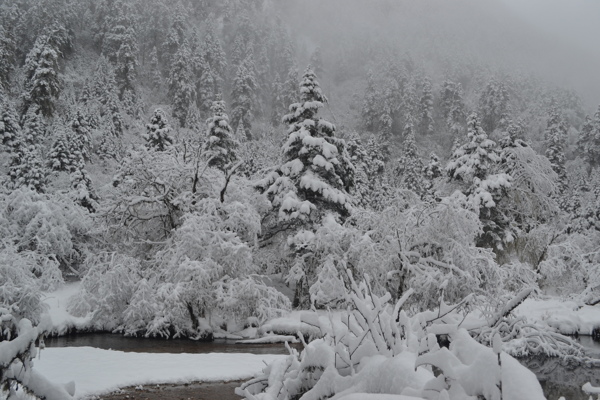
x,y
553,39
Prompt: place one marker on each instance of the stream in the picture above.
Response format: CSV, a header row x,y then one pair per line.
x,y
556,379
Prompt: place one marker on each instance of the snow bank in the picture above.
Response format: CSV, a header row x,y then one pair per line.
x,y
309,323
56,303
270,339
98,371
565,317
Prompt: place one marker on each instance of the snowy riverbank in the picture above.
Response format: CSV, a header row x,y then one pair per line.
x,y
97,371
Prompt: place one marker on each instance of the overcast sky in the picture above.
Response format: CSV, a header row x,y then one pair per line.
x,y
577,21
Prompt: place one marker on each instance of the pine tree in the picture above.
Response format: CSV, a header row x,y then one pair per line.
x,y
82,190
426,109
213,52
317,172
27,169
555,136
81,139
369,107
412,178
33,130
158,132
243,98
154,73
120,47
494,106
316,61
588,142
7,56
475,158
60,157
42,80
433,169
181,87
220,144
9,123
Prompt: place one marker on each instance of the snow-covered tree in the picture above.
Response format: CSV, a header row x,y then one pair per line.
x,y
7,56
426,109
243,98
9,123
453,106
494,105
181,87
473,159
317,172
316,61
220,143
369,106
412,178
588,142
555,136
158,132
42,77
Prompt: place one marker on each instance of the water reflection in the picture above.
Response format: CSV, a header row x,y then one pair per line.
x,y
113,341
563,379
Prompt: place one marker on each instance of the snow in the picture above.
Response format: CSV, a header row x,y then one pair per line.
x,y
56,303
368,396
270,339
562,316
98,371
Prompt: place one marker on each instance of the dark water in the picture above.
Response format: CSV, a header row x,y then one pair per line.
x,y
556,378
113,341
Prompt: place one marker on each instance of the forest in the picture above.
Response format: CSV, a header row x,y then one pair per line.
x,y
203,166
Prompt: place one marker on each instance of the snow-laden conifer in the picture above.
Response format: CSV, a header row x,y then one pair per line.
x,y
220,144
158,132
317,172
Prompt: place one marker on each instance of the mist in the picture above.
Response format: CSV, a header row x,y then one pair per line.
x,y
552,40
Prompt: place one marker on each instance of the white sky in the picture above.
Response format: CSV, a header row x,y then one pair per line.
x,y
576,21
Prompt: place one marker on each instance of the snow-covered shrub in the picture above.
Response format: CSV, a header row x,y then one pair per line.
x,y
52,226
242,298
106,289
19,288
17,352
429,247
377,348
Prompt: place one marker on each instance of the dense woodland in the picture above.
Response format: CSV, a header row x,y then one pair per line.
x,y
182,160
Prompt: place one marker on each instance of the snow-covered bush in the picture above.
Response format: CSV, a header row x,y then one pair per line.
x,y
377,348
106,289
17,352
242,298
52,226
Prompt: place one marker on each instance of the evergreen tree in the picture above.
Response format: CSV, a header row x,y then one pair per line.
x,y
453,106
555,136
369,107
316,61
33,130
181,87
42,80
154,74
9,123
27,169
213,52
412,178
433,169
426,109
120,47
158,132
220,144
317,172
588,142
494,105
61,157
7,56
243,99
81,139
82,190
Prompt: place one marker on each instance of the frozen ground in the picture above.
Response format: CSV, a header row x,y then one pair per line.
x,y
96,371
